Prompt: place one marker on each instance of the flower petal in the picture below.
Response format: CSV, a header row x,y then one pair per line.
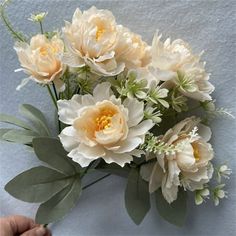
x,y
102,92
135,109
141,128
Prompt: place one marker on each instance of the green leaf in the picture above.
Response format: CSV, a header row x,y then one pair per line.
x,y
37,184
60,204
19,136
50,150
113,169
2,132
36,117
14,121
137,198
174,213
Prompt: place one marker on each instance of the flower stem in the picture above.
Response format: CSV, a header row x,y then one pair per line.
x,y
95,181
41,27
55,92
53,98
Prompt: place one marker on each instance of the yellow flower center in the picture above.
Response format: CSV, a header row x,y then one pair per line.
x,y
99,33
196,152
45,50
104,120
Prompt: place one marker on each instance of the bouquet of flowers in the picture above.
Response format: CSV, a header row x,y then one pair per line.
x,y
123,108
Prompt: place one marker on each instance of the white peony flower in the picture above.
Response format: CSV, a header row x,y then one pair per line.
x,y
41,60
91,39
190,167
175,63
102,126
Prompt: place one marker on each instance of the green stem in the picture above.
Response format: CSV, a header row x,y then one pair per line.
x,y
95,181
53,98
7,22
41,27
55,91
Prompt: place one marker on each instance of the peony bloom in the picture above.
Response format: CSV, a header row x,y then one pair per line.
x,y
102,126
190,167
94,39
91,39
175,63
131,49
41,60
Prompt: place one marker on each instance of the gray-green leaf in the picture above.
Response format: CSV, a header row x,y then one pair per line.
x,y
2,132
19,136
60,204
137,198
174,213
50,150
14,121
37,184
36,117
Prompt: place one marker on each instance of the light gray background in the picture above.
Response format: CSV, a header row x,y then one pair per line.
x,y
207,25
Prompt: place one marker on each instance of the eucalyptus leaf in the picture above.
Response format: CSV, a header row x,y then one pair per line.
x,y
137,198
60,204
36,117
14,121
37,184
19,136
174,213
51,151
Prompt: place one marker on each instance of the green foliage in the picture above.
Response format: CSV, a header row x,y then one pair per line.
x,y
58,189
177,101
16,35
137,199
174,213
34,126
51,151
185,83
130,86
60,204
155,145
20,136
37,184
36,117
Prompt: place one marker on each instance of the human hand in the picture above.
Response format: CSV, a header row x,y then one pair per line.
x,y
21,225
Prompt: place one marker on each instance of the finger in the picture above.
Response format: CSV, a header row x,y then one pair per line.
x,y
20,224
37,231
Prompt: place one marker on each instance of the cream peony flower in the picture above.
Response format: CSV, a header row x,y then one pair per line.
x,y
41,60
91,39
102,126
176,64
190,167
94,39
131,49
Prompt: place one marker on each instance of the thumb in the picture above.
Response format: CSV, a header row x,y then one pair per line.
x,y
37,231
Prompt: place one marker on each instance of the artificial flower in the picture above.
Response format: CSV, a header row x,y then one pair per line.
x,y
100,125
91,39
41,59
189,167
131,49
175,63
